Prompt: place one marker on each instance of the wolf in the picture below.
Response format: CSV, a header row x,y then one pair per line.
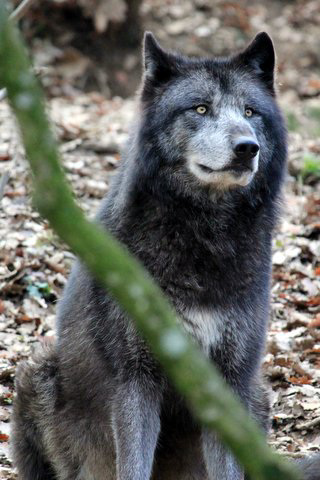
x,y
195,200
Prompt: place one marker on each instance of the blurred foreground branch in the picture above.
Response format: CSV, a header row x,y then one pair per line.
x,y
193,375
15,16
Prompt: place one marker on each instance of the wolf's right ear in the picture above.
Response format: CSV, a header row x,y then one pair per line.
x,y
158,63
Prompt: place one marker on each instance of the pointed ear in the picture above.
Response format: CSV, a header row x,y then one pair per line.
x,y
259,56
159,64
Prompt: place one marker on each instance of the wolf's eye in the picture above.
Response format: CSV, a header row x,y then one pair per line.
x,y
248,112
202,109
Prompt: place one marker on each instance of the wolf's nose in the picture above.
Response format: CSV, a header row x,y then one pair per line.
x,y
245,148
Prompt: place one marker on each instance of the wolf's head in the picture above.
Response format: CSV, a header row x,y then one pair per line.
x,y
214,121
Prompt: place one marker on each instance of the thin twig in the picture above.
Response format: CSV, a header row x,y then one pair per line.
x,y
3,182
19,12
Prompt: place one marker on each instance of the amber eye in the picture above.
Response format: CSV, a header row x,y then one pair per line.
x,y
202,109
248,112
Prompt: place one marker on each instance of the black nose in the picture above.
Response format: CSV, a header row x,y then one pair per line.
x,y
245,148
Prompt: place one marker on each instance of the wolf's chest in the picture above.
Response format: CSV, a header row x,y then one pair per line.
x,y
205,326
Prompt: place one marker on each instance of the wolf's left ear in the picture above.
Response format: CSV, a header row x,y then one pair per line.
x,y
158,63
260,57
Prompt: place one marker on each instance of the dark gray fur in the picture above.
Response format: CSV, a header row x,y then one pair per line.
x,y
96,406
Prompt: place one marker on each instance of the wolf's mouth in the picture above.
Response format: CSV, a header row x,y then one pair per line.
x,y
230,168
237,169
205,169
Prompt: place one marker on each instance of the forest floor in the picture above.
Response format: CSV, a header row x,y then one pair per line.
x,y
92,129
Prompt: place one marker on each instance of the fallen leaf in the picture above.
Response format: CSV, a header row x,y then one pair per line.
x,y
24,319
314,83
282,257
300,380
314,301
316,322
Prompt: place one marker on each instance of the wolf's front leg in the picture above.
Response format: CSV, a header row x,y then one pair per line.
x,y
136,426
220,463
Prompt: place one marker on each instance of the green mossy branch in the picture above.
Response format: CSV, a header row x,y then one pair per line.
x,y
209,397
